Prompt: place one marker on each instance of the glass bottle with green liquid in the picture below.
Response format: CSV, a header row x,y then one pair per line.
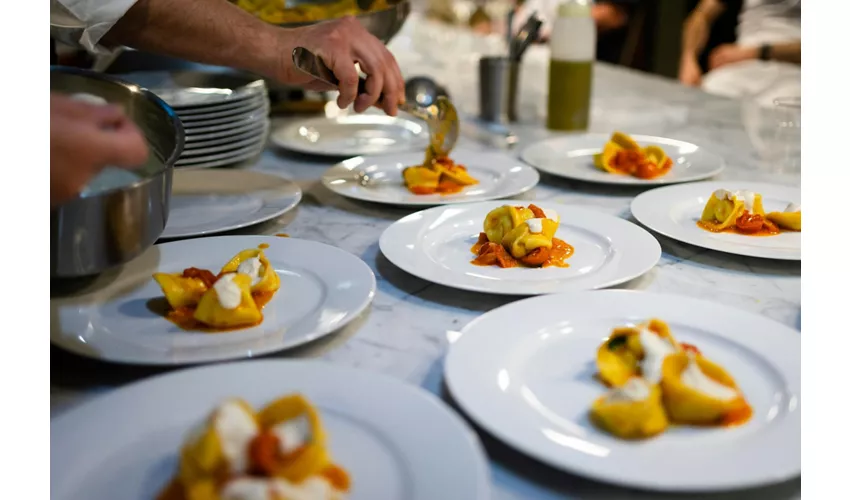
x,y
572,46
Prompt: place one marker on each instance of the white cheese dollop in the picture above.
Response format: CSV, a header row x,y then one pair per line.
x,y
229,294
694,378
636,389
792,207
535,225
748,197
236,429
655,350
252,267
292,434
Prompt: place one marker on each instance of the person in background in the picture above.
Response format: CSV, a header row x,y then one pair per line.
x,y
85,138
611,17
768,47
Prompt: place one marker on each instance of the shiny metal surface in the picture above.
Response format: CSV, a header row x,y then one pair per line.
x,y
89,235
199,90
498,81
423,90
384,24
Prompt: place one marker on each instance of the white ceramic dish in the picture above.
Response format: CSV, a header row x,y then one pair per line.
x,y
499,176
571,157
223,158
224,146
228,134
227,107
205,202
202,122
674,211
352,135
120,319
435,244
386,433
525,373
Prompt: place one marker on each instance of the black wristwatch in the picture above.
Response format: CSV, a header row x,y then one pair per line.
x,y
764,52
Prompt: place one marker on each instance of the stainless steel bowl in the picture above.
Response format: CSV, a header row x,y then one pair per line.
x,y
91,234
383,24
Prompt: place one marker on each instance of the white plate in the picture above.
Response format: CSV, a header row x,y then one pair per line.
x,y
571,157
233,125
224,146
499,176
228,161
222,158
396,440
260,131
225,134
322,289
674,211
435,245
189,119
212,201
223,108
352,135
525,373
259,114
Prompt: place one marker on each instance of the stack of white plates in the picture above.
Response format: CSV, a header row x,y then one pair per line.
x,y
225,115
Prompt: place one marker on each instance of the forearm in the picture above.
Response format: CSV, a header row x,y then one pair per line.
x,y
698,27
787,52
206,31
695,35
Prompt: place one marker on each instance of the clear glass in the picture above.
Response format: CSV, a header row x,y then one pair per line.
x,y
773,126
788,139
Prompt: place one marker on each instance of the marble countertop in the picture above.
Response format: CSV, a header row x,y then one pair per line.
x,y
623,99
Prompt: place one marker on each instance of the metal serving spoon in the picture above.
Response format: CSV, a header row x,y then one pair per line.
x,y
441,115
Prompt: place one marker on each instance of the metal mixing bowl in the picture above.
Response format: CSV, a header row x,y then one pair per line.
x,y
383,24
91,234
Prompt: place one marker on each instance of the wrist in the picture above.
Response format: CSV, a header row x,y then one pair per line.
x,y
765,52
270,53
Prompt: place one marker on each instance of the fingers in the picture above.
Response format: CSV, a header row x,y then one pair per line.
x,y
374,85
122,146
343,43
341,64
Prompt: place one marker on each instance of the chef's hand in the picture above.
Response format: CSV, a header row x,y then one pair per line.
x,y
730,53
85,138
690,73
341,43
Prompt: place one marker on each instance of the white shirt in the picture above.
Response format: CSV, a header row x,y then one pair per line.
x,y
769,22
93,17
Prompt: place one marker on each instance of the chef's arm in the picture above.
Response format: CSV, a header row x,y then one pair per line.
x,y
697,27
786,52
205,31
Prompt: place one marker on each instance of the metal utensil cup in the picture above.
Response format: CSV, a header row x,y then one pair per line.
x,y
498,86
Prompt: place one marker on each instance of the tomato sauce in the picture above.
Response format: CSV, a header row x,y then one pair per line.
x,y
747,224
493,254
184,317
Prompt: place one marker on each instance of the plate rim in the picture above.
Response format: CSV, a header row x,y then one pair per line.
x,y
433,204
474,447
294,203
347,153
563,208
631,181
480,417
57,338
756,253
